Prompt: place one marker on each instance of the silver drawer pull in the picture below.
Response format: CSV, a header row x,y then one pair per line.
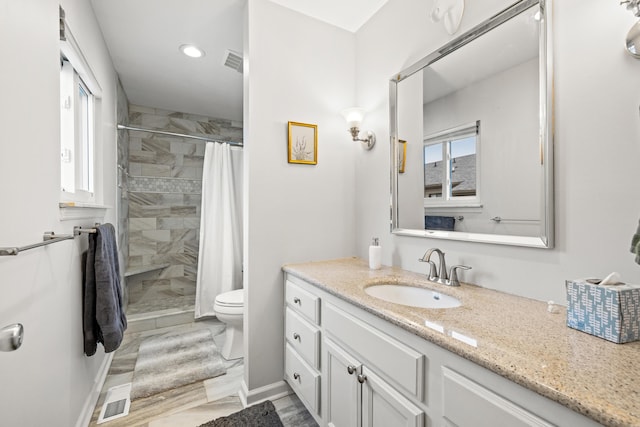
x,y
296,376
351,369
296,300
11,337
362,378
296,336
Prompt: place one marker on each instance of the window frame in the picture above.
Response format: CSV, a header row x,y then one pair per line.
x,y
446,137
79,123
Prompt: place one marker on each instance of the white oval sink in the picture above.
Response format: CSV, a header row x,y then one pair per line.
x,y
412,296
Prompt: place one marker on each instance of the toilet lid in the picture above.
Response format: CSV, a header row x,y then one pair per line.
x,y
231,299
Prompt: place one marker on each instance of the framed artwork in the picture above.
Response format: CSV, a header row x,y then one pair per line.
x,y
303,143
402,155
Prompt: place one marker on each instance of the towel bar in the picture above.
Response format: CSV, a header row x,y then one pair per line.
x,y
48,238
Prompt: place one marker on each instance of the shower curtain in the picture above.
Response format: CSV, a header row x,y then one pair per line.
x,y
220,253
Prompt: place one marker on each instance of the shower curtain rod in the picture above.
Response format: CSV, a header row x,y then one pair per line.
x,y
181,135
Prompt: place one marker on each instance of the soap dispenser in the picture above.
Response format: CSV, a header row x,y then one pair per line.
x,y
375,254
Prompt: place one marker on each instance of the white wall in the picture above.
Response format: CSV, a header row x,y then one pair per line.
x,y
48,380
597,147
300,70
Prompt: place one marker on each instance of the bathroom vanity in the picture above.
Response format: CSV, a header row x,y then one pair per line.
x,y
497,359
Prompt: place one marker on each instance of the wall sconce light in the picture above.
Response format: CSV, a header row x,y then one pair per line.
x,y
633,37
354,117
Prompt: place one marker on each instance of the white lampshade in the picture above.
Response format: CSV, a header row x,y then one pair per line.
x,y
353,116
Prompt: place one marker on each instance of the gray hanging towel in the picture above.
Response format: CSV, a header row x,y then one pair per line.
x,y
104,320
635,244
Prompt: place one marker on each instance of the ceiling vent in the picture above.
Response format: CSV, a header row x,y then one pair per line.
x,y
233,60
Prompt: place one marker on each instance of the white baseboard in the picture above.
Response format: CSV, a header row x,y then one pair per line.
x,y
92,399
269,392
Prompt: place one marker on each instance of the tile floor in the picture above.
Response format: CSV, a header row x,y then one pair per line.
x,y
190,405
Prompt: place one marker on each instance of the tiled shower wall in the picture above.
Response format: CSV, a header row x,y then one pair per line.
x,y
164,204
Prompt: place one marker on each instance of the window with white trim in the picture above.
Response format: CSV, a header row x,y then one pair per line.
x,y
79,101
451,167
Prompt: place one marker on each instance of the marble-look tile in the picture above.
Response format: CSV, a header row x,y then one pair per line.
x,y
185,148
193,161
182,234
135,142
193,199
292,412
190,272
224,385
169,199
139,198
175,319
183,172
155,121
137,211
157,235
183,211
171,223
157,406
171,247
157,144
200,414
135,169
142,248
145,157
172,272
155,170
141,325
135,261
139,224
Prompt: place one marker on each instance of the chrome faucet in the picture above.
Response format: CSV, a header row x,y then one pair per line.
x,y
439,275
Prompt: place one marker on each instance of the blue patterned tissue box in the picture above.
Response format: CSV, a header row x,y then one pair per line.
x,y
609,312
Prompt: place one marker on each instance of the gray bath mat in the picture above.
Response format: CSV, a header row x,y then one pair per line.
x,y
173,360
260,415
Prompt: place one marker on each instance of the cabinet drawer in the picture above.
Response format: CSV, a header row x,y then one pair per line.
x,y
398,362
467,403
303,302
303,337
304,380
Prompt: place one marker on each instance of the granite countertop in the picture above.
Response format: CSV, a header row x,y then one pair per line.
x,y
516,338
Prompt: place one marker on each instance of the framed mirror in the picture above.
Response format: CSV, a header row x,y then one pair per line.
x,y
472,138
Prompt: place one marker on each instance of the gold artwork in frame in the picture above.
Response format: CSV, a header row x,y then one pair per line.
x,y
402,155
303,143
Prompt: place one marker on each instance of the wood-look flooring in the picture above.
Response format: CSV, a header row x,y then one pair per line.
x,y
190,405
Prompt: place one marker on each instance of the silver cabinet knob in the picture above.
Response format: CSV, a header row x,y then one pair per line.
x,y
296,336
362,378
11,337
296,376
296,300
351,369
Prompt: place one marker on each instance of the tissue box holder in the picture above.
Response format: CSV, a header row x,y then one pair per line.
x,y
609,312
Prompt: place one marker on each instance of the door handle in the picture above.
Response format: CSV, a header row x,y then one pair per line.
x,y
11,337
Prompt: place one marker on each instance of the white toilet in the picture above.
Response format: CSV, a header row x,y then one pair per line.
x,y
229,308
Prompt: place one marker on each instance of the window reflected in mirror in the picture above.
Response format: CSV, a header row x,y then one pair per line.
x,y
450,168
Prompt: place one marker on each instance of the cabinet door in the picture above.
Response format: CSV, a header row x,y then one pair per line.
x,y
382,406
343,397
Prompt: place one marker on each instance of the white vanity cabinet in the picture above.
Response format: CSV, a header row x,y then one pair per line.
x,y
374,373
356,396
302,345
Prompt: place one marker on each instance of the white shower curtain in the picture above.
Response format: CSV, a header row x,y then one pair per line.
x,y
220,253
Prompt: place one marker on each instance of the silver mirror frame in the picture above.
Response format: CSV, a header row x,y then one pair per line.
x,y
546,239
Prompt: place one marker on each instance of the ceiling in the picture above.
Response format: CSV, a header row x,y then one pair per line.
x,y
143,37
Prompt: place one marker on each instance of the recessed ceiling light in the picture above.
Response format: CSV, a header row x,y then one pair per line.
x,y
191,50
